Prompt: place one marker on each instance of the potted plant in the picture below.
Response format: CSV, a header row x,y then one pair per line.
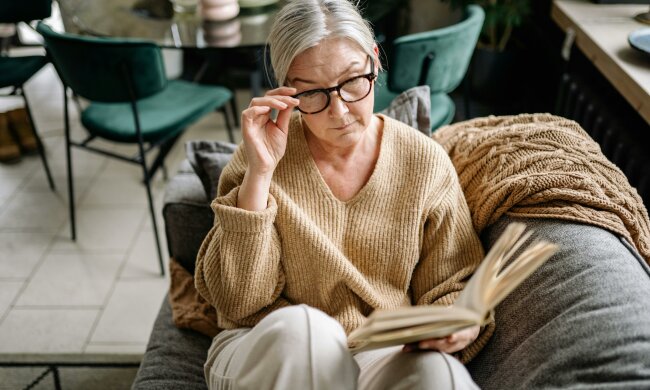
x,y
501,18
496,69
387,17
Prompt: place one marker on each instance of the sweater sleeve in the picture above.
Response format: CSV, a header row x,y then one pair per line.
x,y
451,252
238,267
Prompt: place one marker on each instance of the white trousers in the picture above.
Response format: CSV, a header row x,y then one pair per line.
x,y
299,347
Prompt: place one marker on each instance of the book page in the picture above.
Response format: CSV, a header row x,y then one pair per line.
x,y
478,293
391,320
497,275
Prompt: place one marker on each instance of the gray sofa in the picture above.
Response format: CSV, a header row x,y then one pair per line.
x,y
581,321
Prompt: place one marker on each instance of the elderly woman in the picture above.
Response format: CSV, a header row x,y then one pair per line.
x,y
327,214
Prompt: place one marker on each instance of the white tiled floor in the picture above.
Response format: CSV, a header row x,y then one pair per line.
x,y
99,294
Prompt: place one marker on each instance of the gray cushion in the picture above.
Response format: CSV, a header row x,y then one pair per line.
x,y
174,357
581,320
208,158
412,107
188,218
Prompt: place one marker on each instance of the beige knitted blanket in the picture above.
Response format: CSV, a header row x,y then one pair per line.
x,y
542,166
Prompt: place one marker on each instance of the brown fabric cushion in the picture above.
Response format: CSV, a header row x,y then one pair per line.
x,y
189,309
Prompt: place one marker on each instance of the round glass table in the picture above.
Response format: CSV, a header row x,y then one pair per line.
x,y
156,21
229,49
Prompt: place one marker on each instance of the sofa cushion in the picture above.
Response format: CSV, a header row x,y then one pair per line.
x,y
174,357
208,158
581,320
188,218
189,309
413,108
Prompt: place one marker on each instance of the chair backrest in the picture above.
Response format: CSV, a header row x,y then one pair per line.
x,y
14,11
104,69
438,58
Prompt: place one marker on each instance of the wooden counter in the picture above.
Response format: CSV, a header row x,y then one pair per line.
x,y
601,34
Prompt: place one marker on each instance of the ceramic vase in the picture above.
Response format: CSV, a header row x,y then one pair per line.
x,y
219,10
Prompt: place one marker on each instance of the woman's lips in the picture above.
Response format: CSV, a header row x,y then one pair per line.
x,y
344,126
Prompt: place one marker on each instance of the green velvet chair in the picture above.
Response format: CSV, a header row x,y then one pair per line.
x,y
437,58
16,71
131,101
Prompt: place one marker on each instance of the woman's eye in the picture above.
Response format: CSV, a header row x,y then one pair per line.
x,y
355,82
309,94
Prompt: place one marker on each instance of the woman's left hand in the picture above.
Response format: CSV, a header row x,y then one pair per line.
x,y
450,344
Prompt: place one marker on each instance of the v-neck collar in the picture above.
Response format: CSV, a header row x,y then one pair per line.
x,y
312,167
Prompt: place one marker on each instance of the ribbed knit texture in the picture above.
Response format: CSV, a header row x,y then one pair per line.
x,y
405,238
543,166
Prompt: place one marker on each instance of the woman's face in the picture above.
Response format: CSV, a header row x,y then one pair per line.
x,y
328,64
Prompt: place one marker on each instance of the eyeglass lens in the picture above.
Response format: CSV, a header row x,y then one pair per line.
x,y
351,91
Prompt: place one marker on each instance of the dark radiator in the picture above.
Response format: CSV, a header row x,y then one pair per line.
x,y
625,143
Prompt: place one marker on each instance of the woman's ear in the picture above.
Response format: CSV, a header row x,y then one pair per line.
x,y
375,51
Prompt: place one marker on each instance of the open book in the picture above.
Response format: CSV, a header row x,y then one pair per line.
x,y
497,275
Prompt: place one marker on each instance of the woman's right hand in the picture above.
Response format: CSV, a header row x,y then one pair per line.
x,y
265,140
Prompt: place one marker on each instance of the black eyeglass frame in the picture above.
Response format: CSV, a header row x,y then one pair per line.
x,y
328,91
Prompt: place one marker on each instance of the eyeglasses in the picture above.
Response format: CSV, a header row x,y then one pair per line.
x,y
350,91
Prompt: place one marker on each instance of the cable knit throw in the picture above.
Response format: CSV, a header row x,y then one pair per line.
x,y
542,166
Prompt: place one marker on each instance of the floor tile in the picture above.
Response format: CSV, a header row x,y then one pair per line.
x,y
10,184
84,163
121,169
71,279
8,292
46,331
3,201
38,183
119,378
71,378
21,377
53,143
131,312
116,191
115,349
142,261
24,168
158,203
38,211
21,252
108,229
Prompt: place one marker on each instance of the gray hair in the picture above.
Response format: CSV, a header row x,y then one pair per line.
x,y
302,24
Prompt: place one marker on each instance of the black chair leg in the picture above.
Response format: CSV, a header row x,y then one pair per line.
x,y
163,150
147,183
234,109
231,135
143,163
68,156
39,143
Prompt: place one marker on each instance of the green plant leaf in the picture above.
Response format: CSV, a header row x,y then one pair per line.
x,y
501,17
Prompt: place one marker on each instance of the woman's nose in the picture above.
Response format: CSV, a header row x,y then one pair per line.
x,y
338,107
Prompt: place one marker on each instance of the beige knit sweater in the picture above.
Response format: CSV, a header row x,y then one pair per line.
x,y
405,238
